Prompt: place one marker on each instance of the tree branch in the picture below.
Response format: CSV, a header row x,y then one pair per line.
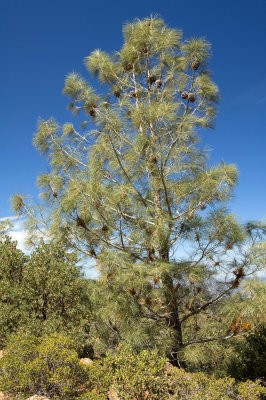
x,y
207,304
206,340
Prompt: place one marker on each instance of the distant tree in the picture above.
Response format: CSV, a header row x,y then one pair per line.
x,y
12,262
133,190
5,226
43,293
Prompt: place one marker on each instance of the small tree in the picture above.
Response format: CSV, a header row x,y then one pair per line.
x,y
133,190
44,292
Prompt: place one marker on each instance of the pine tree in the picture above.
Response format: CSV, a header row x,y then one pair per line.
x,y
133,190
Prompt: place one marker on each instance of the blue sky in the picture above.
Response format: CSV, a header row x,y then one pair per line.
x,y
42,41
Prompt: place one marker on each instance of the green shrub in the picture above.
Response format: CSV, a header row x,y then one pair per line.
x,y
131,374
148,376
50,366
199,386
46,366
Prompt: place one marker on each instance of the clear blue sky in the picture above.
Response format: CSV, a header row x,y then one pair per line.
x,y
42,41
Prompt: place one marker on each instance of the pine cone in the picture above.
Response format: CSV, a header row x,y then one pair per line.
x,y
54,194
93,105
176,287
191,97
92,112
239,272
110,275
235,283
158,83
132,291
229,245
117,93
148,301
132,94
92,253
144,50
152,79
105,228
129,67
151,254
80,222
203,207
195,65
184,95
155,279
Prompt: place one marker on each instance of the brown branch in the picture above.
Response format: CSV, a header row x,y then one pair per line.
x,y
206,340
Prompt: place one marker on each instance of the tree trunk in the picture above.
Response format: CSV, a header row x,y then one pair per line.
x,y
177,347
173,321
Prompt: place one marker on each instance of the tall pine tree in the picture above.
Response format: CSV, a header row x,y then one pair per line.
x,y
132,189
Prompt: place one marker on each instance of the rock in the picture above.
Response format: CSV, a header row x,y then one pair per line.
x,y
169,367
86,361
112,395
36,397
4,396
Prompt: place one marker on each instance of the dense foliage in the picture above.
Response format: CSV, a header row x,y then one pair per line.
x,y
248,360
149,376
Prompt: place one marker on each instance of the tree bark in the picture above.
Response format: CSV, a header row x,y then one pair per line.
x,y
173,321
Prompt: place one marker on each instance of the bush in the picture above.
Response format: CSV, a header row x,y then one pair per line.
x,y
47,366
148,376
131,374
50,367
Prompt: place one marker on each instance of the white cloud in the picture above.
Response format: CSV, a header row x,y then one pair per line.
x,y
17,231
19,234
12,218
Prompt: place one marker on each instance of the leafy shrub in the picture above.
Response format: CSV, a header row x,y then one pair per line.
x,y
131,374
46,366
50,366
148,376
199,386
